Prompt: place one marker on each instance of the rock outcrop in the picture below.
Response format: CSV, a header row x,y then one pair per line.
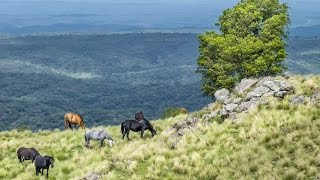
x,y
249,93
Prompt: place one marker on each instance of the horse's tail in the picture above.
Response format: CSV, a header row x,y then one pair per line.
x,y
122,128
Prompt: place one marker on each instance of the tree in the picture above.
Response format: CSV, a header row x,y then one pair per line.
x,y
250,44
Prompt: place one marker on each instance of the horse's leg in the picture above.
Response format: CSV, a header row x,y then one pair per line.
x,y
70,125
47,172
42,172
123,134
101,143
128,134
142,130
88,142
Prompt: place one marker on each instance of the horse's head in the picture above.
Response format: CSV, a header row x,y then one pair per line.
x,y
110,142
51,160
153,132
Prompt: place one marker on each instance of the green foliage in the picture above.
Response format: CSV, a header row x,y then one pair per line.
x,y
250,44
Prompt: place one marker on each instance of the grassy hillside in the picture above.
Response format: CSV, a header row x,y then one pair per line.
x,y
273,141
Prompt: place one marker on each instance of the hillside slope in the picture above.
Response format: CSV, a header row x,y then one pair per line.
x,y
277,140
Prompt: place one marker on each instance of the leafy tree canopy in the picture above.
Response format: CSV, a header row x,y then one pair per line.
x,y
250,44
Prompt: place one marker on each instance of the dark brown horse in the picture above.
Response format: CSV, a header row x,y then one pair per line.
x,y
136,126
27,154
139,116
72,118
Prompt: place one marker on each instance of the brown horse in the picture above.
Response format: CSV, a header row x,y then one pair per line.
x,y
72,118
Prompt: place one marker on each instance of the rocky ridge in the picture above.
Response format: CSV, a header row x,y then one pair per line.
x,y
247,94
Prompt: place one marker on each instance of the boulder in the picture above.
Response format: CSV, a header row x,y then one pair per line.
x,y
274,86
244,85
223,112
295,100
315,97
244,106
211,115
92,176
222,95
284,86
268,94
281,94
261,81
237,100
231,107
257,92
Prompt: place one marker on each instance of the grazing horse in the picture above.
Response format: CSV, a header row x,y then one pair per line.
x,y
139,116
136,126
72,118
27,154
100,135
43,162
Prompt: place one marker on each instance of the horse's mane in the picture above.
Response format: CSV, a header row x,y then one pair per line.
x,y
148,123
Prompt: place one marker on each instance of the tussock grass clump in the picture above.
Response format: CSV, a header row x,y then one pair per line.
x,y
273,141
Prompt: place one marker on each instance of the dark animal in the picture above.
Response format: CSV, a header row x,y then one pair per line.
x,y
27,154
43,162
139,116
136,126
72,118
100,135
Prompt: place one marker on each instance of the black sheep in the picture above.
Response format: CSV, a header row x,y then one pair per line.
x,y
43,162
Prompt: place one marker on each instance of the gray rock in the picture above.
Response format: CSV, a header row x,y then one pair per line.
x,y
295,100
231,107
274,86
237,100
257,92
244,106
92,176
222,95
284,86
228,101
211,115
244,85
223,112
315,97
281,94
268,94
261,81
233,115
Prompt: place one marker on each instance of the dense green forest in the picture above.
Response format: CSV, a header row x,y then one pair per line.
x,y
107,78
